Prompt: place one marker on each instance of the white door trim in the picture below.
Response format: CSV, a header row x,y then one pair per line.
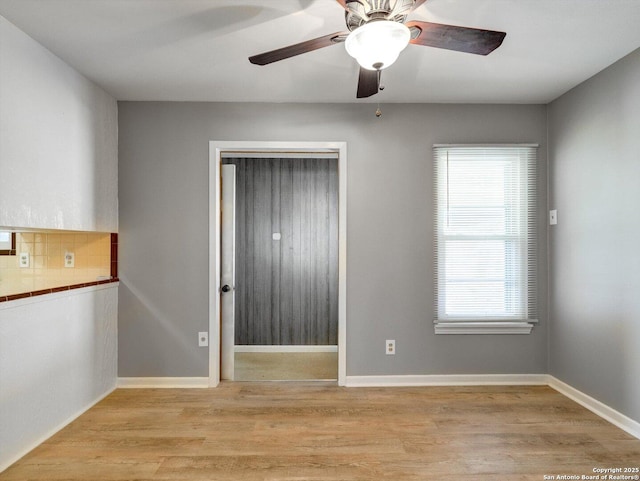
x,y
216,149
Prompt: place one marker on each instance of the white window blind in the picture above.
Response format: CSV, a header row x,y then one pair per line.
x,y
485,238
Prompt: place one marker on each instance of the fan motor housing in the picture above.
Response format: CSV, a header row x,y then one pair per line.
x,y
359,12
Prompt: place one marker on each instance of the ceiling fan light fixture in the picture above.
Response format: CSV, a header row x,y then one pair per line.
x,y
377,44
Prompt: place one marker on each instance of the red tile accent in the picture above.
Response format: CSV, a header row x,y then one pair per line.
x,y
22,295
40,292
59,289
114,255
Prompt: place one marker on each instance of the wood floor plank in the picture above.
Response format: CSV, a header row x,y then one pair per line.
x,y
320,432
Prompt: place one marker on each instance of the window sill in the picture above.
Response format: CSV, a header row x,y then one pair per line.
x,y
488,327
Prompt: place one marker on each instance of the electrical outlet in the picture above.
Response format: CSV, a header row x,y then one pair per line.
x,y
390,347
203,339
69,259
24,259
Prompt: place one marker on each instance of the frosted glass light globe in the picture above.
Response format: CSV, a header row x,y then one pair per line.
x,y
377,44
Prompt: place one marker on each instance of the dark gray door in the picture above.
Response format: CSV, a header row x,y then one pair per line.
x,y
286,251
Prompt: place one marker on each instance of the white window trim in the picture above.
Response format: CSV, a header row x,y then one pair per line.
x,y
483,327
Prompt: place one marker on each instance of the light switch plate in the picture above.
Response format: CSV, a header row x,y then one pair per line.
x,y
203,339
277,236
553,217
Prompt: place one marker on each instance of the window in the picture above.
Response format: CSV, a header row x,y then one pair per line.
x,y
7,243
485,239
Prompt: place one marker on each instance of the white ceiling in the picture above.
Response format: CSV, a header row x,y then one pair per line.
x,y
197,50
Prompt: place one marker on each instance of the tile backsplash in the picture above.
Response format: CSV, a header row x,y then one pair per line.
x,y
91,253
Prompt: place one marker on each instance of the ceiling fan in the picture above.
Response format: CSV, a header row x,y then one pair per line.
x,y
378,33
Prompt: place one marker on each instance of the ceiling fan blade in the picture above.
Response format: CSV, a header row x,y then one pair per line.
x,y
298,48
460,39
368,83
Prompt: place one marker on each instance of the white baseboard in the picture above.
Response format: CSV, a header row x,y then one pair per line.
x,y
609,414
614,417
53,431
163,382
448,380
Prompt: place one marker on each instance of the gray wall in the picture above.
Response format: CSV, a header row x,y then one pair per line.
x,y
163,185
594,133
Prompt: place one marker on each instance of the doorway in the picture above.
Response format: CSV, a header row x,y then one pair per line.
x,y
284,315
282,210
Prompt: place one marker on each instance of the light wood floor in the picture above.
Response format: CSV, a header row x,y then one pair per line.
x,y
285,366
320,432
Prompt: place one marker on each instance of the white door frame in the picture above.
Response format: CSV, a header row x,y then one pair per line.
x,y
216,149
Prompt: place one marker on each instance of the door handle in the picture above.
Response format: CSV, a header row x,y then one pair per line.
x,y
225,288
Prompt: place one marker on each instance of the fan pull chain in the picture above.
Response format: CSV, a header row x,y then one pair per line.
x,y
380,88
